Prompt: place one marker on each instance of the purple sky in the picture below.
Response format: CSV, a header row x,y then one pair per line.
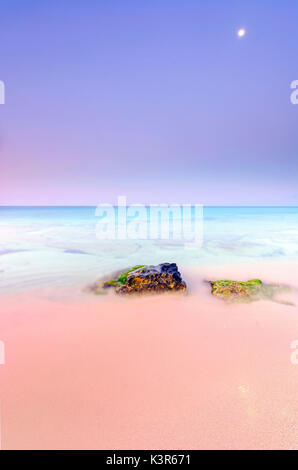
x,y
158,100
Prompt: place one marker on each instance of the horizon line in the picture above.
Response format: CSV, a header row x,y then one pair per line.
x,y
148,204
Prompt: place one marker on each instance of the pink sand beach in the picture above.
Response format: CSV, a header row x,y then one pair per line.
x,y
148,133
163,372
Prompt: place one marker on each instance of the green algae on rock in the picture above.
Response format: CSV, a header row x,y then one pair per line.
x,y
100,287
249,291
122,277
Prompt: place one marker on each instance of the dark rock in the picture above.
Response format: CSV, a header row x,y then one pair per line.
x,y
141,279
164,277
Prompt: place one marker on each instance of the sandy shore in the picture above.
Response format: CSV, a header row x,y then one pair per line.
x,y
167,372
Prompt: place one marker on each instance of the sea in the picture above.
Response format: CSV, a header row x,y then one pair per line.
x,y
63,246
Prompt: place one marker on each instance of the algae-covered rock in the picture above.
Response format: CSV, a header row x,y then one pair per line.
x,y
249,291
143,279
153,279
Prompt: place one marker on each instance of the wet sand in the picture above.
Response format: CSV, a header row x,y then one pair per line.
x,y
166,372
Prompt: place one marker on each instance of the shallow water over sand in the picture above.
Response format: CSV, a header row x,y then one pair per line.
x,y
165,372
40,247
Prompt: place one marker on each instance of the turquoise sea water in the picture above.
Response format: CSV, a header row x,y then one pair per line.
x,y
43,246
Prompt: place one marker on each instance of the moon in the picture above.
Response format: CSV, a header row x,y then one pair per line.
x,y
241,32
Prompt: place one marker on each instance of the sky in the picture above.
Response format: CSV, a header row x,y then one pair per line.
x,y
157,100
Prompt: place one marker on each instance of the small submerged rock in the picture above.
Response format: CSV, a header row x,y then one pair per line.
x,y
249,291
142,279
